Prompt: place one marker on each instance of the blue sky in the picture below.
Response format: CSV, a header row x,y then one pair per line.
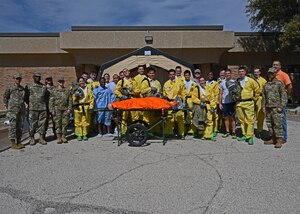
x,y
60,15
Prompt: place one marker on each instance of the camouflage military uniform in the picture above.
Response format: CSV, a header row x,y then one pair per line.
x,y
14,102
60,103
50,90
274,96
36,97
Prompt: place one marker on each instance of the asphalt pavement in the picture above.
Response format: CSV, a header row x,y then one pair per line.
x,y
190,176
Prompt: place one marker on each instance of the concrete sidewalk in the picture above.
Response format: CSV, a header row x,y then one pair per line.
x,y
190,176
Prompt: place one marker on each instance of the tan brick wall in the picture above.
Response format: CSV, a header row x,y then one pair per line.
x,y
7,73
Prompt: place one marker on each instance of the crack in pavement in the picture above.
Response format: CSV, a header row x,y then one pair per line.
x,y
82,192
39,206
196,208
210,156
219,186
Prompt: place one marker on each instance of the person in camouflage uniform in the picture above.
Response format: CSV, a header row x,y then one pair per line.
x,y
50,88
60,106
274,98
13,100
36,98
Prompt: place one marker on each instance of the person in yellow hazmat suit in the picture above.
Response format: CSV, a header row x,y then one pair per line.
x,y
139,78
209,98
199,100
260,116
245,107
138,115
92,83
189,88
213,88
83,102
151,87
126,89
174,89
178,73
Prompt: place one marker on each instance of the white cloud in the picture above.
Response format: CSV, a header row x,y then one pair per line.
x,y
60,15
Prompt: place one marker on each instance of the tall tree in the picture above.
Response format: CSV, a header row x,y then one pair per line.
x,y
281,16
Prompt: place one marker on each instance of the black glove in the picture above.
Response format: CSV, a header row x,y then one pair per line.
x,y
124,97
202,104
153,90
129,89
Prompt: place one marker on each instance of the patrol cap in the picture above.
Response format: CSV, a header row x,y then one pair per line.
x,y
61,79
272,70
48,77
197,71
37,74
17,76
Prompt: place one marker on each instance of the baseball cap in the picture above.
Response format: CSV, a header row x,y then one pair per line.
x,y
37,74
61,79
17,76
197,71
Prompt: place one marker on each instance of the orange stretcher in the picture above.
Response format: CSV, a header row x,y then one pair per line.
x,y
138,131
147,103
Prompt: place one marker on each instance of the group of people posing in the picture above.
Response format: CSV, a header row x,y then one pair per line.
x,y
205,104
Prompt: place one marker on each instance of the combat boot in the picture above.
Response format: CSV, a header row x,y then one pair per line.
x,y
59,140
14,145
64,139
19,143
42,140
270,142
279,143
32,141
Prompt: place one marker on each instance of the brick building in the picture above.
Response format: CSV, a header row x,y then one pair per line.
x,y
86,48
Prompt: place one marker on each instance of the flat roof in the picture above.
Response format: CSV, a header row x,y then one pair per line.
x,y
29,34
148,28
256,33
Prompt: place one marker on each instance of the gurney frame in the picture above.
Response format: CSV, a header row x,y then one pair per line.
x,y
138,131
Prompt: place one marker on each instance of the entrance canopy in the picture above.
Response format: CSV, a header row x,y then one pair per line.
x,y
148,56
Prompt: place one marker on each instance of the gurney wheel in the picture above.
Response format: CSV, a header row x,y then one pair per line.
x,y
136,134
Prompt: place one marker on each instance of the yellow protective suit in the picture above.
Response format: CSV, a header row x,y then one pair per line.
x,y
245,108
82,107
126,115
212,93
189,102
92,84
138,80
197,98
260,116
213,88
138,115
150,117
172,90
